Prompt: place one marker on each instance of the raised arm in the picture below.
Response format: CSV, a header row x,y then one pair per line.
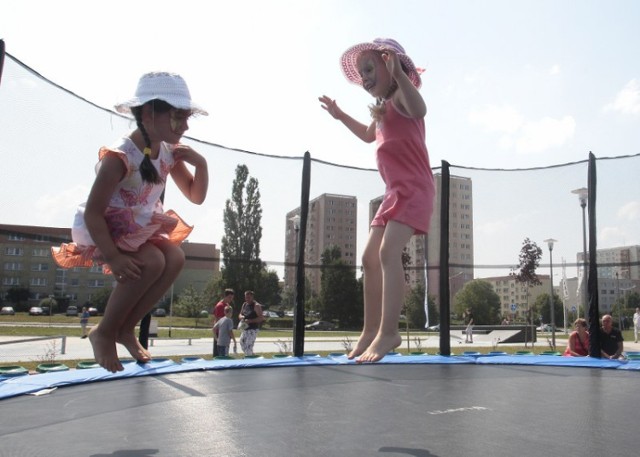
x,y
407,96
366,133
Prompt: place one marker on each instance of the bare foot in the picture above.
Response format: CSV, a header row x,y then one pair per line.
x,y
104,351
137,351
363,343
380,347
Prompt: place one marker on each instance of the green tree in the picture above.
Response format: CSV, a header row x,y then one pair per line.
x,y
190,303
17,295
240,247
338,289
415,308
541,307
100,298
525,272
483,301
270,290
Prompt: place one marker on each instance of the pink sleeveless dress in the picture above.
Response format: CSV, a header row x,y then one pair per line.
x,y
403,163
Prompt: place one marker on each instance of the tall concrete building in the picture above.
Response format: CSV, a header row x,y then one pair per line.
x,y
26,262
332,221
622,262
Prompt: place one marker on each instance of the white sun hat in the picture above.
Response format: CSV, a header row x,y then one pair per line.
x,y
169,87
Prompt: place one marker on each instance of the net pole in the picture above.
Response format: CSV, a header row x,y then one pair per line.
x,y
445,307
298,328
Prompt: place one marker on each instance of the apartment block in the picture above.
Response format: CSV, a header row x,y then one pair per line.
x,y
332,221
26,262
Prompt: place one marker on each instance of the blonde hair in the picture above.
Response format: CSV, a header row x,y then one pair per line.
x,y
580,321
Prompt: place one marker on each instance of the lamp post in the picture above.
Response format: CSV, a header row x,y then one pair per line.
x,y
550,242
583,194
296,228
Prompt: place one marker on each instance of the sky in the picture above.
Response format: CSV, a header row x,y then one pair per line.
x,y
508,84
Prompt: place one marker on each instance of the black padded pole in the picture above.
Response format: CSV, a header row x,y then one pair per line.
x,y
592,278
298,328
445,307
2,48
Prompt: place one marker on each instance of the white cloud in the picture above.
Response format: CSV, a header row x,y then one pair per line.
x,y
554,70
537,136
59,207
525,136
503,119
627,101
630,211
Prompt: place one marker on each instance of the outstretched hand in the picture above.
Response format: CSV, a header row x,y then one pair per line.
x,y
330,105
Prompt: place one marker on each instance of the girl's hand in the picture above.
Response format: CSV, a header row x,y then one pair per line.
x,y
125,268
392,61
184,153
331,107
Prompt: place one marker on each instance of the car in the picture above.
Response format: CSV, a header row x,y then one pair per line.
x,y
289,313
434,328
160,312
36,311
320,325
270,314
45,310
93,311
544,328
7,311
72,311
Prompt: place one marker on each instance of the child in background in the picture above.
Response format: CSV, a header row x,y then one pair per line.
x,y
223,332
384,70
123,225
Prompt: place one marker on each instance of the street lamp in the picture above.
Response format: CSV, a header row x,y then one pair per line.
x,y
583,195
550,242
296,228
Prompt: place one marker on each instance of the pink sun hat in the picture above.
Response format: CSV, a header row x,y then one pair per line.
x,y
349,60
169,87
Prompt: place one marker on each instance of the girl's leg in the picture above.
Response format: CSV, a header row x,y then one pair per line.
x,y
173,261
396,237
103,336
372,291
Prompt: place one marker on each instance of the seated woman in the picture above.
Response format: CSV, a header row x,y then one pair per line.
x,y
578,345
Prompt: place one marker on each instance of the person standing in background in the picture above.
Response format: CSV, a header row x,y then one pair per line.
x,y
84,320
219,313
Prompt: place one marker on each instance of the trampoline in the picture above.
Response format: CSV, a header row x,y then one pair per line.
x,y
420,406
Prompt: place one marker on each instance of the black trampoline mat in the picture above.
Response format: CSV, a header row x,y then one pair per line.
x,y
371,410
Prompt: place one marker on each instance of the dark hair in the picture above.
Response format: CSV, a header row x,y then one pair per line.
x,y
147,170
228,292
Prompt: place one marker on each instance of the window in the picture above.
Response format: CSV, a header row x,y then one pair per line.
x,y
38,282
40,267
13,251
16,237
13,266
41,252
10,281
95,283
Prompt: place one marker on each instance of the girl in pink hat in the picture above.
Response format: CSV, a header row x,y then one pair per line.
x,y
123,226
384,70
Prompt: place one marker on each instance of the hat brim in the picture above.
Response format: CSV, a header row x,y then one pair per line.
x,y
125,107
349,63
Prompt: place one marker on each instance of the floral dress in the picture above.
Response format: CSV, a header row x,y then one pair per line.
x,y
134,216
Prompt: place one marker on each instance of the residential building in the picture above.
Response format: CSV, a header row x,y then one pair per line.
x,y
331,221
26,262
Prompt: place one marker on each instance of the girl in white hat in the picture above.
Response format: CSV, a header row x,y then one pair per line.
x,y
384,70
123,226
